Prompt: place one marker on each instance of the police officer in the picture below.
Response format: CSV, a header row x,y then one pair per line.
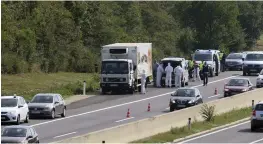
x,y
223,60
190,68
205,72
155,66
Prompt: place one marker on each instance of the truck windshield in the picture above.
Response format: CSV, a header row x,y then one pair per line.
x,y
254,57
234,56
114,67
203,57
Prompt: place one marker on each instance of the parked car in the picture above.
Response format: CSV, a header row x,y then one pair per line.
x,y
185,97
257,117
260,79
14,109
234,61
47,104
236,86
19,134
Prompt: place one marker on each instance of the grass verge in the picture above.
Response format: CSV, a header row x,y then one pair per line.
x,y
219,120
67,84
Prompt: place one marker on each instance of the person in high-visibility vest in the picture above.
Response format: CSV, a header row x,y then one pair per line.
x,y
190,68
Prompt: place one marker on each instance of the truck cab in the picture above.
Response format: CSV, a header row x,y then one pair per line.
x,y
211,57
253,62
175,61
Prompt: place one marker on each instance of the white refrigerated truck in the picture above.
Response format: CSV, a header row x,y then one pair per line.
x,y
122,66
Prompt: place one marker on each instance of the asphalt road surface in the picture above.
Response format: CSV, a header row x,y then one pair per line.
x,y
106,111
239,133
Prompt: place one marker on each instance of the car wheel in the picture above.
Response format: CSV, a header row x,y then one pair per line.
x,y
201,101
225,94
27,118
258,86
18,120
252,128
186,83
171,109
63,113
52,114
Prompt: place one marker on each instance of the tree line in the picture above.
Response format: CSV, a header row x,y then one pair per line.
x,y
57,36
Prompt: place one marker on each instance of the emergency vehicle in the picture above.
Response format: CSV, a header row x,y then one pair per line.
x,y
211,57
175,61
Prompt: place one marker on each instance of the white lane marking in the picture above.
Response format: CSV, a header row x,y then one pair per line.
x,y
125,119
64,134
111,107
214,96
256,141
214,132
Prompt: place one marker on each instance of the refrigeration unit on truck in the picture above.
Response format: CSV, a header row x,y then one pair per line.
x,y
122,66
175,61
211,57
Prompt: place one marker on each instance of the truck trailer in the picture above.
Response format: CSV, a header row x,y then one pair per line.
x,y
122,66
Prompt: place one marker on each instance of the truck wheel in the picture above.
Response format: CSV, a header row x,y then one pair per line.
x,y
217,74
139,88
103,91
211,73
130,91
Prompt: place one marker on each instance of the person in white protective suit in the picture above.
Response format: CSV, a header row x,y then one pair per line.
x,y
159,74
196,72
178,75
143,82
168,79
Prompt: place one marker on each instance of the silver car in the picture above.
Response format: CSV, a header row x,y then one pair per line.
x,y
234,61
19,134
49,104
185,97
257,117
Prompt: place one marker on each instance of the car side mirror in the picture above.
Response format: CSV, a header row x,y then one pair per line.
x,y
172,94
56,102
20,106
198,96
27,102
29,137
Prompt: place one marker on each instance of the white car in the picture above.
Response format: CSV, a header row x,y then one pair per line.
x,y
257,117
14,109
260,79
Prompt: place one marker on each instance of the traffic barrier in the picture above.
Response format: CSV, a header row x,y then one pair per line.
x,y
149,107
147,127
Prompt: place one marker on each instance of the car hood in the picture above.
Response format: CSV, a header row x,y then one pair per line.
x,y
12,139
39,105
236,87
182,98
8,109
234,60
253,62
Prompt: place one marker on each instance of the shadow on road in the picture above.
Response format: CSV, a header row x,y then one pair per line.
x,y
249,131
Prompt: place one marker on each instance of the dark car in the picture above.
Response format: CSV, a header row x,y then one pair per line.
x,y
19,134
185,97
236,86
234,61
49,104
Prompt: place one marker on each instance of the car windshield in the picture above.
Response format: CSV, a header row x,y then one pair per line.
x,y
42,99
14,132
259,107
234,56
238,82
203,57
8,102
254,57
114,67
185,93
173,63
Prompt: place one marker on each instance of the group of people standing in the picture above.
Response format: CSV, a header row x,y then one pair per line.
x,y
196,69
178,71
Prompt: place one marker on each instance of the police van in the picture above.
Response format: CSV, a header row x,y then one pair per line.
x,y
175,61
211,57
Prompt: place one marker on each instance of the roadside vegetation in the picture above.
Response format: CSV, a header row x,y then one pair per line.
x,y
210,121
64,83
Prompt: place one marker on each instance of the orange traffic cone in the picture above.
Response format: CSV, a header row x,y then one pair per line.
x,y
149,107
215,91
128,113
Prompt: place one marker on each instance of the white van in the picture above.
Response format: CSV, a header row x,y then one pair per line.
x,y
175,61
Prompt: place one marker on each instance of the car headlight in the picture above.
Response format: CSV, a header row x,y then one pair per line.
x,y
12,113
47,108
209,65
191,101
244,90
226,89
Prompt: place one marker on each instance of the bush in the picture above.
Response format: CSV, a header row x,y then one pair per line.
x,y
208,112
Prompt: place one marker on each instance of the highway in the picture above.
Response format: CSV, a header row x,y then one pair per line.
x,y
239,133
106,111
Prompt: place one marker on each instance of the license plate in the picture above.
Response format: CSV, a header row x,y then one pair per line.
x,y
2,118
114,85
253,70
180,105
35,112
